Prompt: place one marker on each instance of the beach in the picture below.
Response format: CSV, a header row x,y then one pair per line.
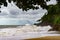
x,y
26,32
46,38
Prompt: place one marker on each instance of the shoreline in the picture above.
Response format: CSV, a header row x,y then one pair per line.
x,y
26,32
46,38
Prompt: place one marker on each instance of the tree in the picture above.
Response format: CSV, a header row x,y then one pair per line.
x,y
26,4
53,15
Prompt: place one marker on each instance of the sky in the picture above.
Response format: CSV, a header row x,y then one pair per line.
x,y
12,15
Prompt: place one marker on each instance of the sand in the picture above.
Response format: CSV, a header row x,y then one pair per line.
x,y
46,38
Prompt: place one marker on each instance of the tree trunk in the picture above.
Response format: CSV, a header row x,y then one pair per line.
x,y
55,28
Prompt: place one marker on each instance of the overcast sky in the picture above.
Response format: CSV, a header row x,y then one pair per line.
x,y
13,12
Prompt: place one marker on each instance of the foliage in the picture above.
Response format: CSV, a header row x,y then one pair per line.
x,y
52,17
27,4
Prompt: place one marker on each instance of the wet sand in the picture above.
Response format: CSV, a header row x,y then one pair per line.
x,y
46,38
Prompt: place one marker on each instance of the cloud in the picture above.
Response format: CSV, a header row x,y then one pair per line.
x,y
52,2
13,11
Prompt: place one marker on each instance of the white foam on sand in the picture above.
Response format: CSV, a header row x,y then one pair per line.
x,y
26,32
